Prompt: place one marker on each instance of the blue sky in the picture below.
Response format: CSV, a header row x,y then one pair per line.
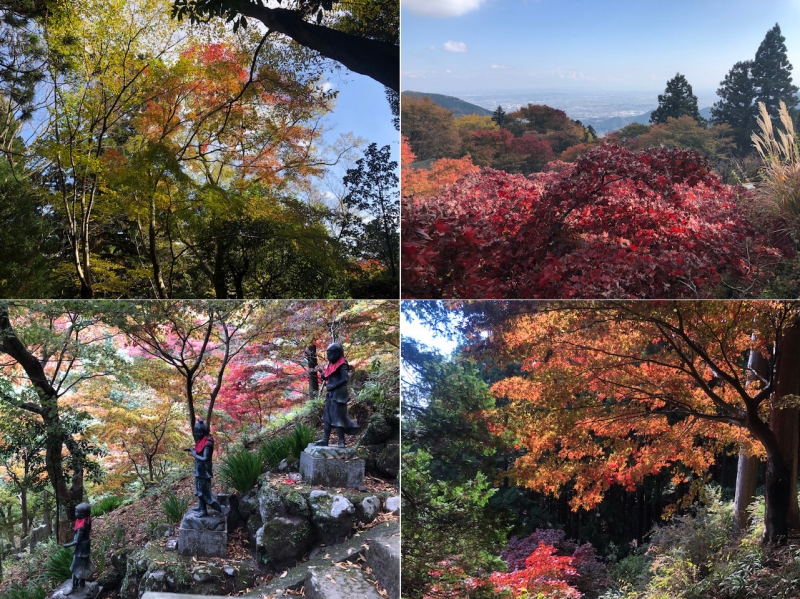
x,y
361,108
477,46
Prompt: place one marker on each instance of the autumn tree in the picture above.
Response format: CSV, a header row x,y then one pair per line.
x,y
432,180
196,339
140,422
429,128
53,350
625,390
676,101
22,447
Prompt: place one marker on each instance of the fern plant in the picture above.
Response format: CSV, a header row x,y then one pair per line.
x,y
32,591
241,469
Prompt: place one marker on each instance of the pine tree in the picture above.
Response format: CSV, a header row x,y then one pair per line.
x,y
737,106
676,101
772,73
499,116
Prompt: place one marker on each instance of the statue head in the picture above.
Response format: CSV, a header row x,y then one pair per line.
x,y
200,429
335,352
83,510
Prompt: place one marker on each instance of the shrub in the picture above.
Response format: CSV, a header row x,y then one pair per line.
x,y
654,223
107,505
586,571
241,469
174,507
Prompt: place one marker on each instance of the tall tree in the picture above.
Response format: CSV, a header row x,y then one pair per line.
x,y
499,116
374,193
737,105
676,101
772,73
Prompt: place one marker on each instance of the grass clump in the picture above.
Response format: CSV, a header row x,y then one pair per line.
x,y
57,567
106,505
174,507
241,469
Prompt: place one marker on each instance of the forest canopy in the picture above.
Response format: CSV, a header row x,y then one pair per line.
x,y
158,157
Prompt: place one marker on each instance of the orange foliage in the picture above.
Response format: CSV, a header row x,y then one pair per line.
x,y
433,180
612,393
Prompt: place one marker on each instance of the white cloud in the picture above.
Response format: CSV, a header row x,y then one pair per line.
x,y
431,47
500,66
442,8
452,46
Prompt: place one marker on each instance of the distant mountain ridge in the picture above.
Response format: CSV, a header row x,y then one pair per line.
x,y
460,107
455,105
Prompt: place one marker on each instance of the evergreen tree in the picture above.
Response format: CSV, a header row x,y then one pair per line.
x,y
737,107
676,101
772,73
499,116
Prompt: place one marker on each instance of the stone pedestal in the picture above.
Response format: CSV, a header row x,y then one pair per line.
x,y
331,467
90,591
203,536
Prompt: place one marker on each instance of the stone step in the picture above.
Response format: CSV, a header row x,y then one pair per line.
x,y
350,550
159,595
383,558
339,582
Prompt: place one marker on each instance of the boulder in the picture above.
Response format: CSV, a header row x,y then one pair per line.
x,y
284,539
333,516
388,462
248,504
368,509
393,505
154,569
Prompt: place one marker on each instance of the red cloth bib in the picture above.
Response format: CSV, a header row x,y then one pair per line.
x,y
331,368
198,447
81,522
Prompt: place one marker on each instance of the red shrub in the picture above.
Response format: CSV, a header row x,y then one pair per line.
x,y
617,224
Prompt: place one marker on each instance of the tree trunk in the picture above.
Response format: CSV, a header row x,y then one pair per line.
x,y
746,479
220,280
747,468
23,504
313,378
779,484
158,279
375,59
784,420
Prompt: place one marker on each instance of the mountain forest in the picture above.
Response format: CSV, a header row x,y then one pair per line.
x,y
532,204
163,149
605,450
